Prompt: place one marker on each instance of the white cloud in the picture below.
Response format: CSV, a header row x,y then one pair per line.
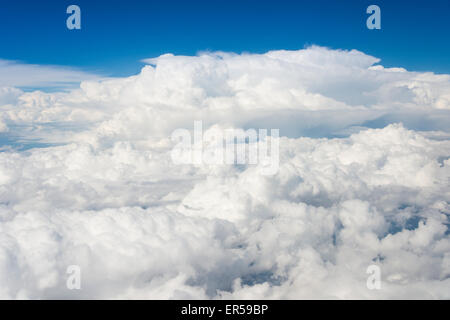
x,y
314,92
111,200
19,74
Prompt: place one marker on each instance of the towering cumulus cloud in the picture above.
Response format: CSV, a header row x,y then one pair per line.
x,y
87,179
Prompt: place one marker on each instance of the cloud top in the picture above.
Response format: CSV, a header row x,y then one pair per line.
x,y
363,180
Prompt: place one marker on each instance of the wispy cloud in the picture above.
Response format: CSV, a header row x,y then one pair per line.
x,y
22,75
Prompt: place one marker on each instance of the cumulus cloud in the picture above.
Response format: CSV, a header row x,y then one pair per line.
x,y
314,92
355,186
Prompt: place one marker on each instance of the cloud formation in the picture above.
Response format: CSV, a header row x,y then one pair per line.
x,y
355,187
314,92
19,74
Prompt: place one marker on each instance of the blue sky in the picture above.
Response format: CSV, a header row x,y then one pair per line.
x,y
117,34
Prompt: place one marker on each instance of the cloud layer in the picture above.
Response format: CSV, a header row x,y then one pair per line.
x,y
355,187
19,74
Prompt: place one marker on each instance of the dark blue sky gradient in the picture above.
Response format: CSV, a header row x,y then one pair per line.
x,y
116,34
